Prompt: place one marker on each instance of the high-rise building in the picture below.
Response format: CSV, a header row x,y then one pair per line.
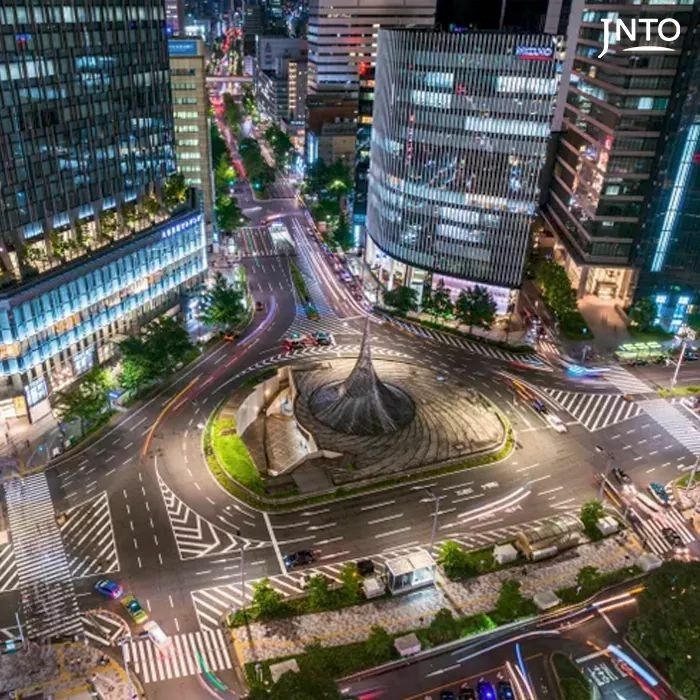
x,y
86,140
669,250
342,35
460,131
174,17
616,123
191,119
363,143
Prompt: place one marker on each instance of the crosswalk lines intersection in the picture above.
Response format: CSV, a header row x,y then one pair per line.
x,y
595,411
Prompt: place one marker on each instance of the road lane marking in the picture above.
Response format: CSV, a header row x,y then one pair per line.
x,y
275,545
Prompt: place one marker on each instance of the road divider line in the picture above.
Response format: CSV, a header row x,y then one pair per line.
x,y
275,545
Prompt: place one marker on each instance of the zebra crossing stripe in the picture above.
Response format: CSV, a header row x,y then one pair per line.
x,y
8,571
677,424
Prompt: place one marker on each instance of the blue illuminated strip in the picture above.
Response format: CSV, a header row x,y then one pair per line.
x,y
616,651
674,204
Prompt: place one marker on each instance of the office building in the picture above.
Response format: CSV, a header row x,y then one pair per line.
x,y
669,246
460,130
86,136
271,51
191,120
363,142
342,35
616,122
174,17
253,25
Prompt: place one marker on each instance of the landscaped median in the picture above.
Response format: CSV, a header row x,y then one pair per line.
x,y
571,681
233,467
335,643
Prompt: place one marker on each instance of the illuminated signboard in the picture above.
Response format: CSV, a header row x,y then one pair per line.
x,y
534,53
182,47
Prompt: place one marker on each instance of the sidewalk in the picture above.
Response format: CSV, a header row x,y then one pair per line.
x,y
288,637
67,671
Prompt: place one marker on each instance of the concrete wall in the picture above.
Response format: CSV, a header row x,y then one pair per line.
x,y
258,398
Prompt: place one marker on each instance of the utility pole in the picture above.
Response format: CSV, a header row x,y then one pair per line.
x,y
243,593
687,334
436,512
608,465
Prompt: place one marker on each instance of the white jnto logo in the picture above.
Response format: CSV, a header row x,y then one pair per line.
x,y
668,30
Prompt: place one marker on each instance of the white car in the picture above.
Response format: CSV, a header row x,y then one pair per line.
x,y
556,423
161,641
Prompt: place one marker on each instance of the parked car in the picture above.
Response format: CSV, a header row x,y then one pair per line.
x,y
108,588
557,423
259,306
303,557
133,607
322,338
621,476
485,691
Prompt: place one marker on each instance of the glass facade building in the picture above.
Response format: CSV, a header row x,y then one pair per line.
x,y
615,124
86,135
460,130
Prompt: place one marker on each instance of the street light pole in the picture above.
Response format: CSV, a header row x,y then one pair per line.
x,y
436,512
681,354
243,593
608,465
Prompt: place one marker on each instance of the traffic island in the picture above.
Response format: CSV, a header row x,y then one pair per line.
x,y
319,430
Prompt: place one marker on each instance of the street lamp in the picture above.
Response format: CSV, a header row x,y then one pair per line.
x,y
686,334
436,511
608,464
243,593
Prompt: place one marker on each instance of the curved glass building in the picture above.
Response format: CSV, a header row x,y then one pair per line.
x,y
461,126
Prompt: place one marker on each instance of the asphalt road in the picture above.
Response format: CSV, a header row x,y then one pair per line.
x,y
176,532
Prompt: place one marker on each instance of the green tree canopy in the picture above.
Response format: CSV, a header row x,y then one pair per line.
x,y
319,592
476,307
591,513
667,630
224,175
379,645
232,112
267,603
556,288
223,305
511,604
281,145
455,560
350,582
228,214
174,190
643,313
402,298
439,302
342,234
86,400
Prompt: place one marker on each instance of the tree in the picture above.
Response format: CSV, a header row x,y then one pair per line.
x,y
59,245
511,604
281,145
108,224
667,630
228,214
476,307
174,190
342,234
131,214
319,592
233,113
591,513
588,578
402,298
267,603
224,175
350,582
439,303
223,305
454,560
379,646
556,288
643,313
443,627
87,399
152,206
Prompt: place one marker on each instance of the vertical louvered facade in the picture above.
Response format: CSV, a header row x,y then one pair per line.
x,y
460,131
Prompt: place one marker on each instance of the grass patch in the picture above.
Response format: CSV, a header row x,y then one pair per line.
x,y
300,283
573,683
683,481
232,454
689,390
577,594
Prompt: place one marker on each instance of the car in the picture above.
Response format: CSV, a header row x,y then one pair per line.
x,y
303,557
322,338
133,607
230,336
160,640
505,691
485,691
259,306
621,476
466,692
294,341
539,406
672,537
108,588
659,492
557,423
447,695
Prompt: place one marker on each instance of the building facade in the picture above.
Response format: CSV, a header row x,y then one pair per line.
x,y
460,130
363,143
191,120
615,122
174,17
669,247
86,140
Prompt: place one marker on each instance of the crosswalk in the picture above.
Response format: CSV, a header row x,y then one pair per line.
x,y
255,241
463,343
595,411
212,604
651,530
623,380
8,571
190,653
329,324
48,596
684,428
103,626
88,537
329,352
194,535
